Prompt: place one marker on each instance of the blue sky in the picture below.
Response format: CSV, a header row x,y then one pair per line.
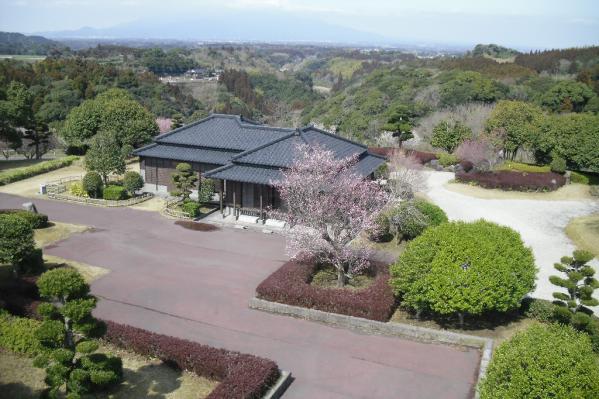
x,y
522,23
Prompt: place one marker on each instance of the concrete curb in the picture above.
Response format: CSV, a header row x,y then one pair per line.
x,y
422,334
277,390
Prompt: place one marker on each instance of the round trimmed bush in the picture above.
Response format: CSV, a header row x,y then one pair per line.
x,y
114,193
411,218
464,268
381,232
192,208
558,165
545,361
36,220
133,181
16,241
93,184
446,160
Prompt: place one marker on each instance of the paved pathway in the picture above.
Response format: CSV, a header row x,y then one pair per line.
x,y
540,222
196,285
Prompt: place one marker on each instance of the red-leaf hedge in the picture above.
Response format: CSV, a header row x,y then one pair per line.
x,y
422,157
290,285
382,151
510,180
241,376
20,296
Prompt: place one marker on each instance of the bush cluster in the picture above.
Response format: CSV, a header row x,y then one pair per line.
x,y
76,189
411,218
36,220
114,193
446,160
192,208
290,284
539,309
132,181
18,334
545,361
93,184
16,243
17,174
518,181
558,165
241,376
464,268
584,178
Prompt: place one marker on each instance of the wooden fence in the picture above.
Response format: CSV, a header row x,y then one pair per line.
x,y
171,209
57,189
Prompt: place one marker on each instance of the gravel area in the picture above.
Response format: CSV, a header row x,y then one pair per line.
x,y
540,222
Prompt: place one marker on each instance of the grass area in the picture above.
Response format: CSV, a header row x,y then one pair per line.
x,y
57,231
18,163
13,175
498,327
143,378
89,272
393,248
327,278
585,178
584,231
523,167
569,192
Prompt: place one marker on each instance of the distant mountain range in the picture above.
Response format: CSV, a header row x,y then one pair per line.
x,y
16,43
233,26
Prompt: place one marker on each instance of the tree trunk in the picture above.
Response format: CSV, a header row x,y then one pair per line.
x,y
68,339
341,278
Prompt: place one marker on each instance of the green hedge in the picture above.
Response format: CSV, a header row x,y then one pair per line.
x,y
17,174
584,178
191,207
545,361
36,220
114,193
18,334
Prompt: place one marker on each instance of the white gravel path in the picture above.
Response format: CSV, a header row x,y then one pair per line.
x,y
541,223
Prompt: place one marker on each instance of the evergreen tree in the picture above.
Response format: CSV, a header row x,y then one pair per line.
x,y
39,137
580,284
185,180
105,156
66,334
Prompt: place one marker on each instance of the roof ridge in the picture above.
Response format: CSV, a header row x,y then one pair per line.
x,y
260,147
312,127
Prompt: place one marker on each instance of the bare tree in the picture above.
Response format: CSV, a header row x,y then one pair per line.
x,y
406,177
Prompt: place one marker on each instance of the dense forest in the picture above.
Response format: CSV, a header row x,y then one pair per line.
x,y
354,92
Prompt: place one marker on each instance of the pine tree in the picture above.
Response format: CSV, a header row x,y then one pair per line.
x,y
185,180
580,284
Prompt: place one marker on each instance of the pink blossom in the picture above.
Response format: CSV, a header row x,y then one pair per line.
x,y
164,124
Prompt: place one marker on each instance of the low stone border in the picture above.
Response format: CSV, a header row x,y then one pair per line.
x,y
277,390
57,190
384,328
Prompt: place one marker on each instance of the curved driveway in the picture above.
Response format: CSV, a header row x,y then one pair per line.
x,y
196,285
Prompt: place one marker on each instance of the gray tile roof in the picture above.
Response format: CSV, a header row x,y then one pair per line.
x,y
187,154
245,173
250,152
229,132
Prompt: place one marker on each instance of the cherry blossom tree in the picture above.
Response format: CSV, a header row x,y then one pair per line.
x,y
480,152
327,205
164,124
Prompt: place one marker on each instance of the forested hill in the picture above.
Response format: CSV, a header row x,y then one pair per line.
x,y
16,43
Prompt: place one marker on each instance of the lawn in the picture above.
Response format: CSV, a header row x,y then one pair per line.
x,y
584,231
143,378
523,167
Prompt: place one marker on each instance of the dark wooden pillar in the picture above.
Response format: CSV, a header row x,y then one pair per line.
x,y
261,212
220,196
234,203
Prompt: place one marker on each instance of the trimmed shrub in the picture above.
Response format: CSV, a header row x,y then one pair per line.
x,y
241,376
132,181
558,165
584,178
467,166
36,220
114,193
290,284
76,189
411,218
422,157
192,208
382,230
93,184
446,160
17,240
519,181
17,174
539,309
545,361
33,262
206,190
464,268
18,334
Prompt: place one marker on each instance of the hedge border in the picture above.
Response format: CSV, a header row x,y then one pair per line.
x,y
241,375
290,284
511,180
16,174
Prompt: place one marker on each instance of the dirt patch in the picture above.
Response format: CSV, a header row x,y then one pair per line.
x,y
154,205
327,278
57,231
196,226
497,327
143,378
584,231
570,192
